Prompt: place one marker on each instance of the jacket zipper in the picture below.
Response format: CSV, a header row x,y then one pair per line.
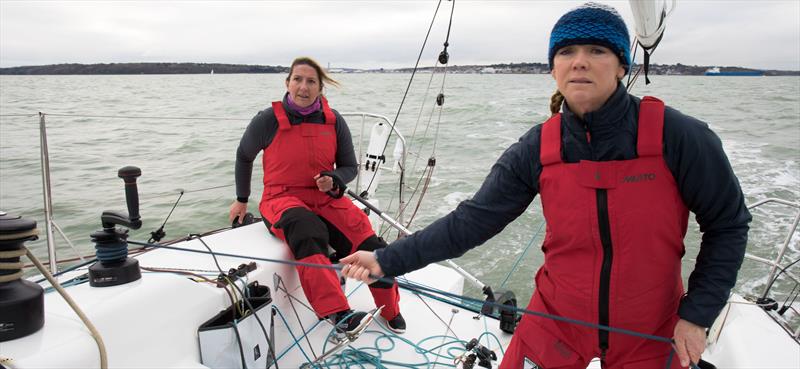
x,y
605,270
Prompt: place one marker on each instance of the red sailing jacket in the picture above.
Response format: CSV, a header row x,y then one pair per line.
x,y
299,154
295,156
614,236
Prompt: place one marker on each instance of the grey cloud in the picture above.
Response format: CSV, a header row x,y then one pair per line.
x,y
370,34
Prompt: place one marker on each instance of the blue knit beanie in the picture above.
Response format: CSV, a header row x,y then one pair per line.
x,y
594,24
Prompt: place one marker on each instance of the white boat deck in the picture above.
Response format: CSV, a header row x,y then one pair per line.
x,y
153,322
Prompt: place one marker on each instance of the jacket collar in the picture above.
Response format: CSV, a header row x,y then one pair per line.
x,y
294,116
603,122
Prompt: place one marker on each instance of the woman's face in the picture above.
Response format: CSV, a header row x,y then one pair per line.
x,y
586,75
303,85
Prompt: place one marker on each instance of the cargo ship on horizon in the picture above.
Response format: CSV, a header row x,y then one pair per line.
x,y
717,72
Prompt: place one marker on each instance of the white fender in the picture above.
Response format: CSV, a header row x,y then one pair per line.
x,y
368,172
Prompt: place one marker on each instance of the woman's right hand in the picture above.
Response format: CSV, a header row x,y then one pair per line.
x,y
361,265
238,209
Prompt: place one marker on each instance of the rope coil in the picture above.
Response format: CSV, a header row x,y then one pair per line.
x,y
9,260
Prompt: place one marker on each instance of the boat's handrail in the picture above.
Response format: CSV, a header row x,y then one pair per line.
x,y
776,263
363,116
51,226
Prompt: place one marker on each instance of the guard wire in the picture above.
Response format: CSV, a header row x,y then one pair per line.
x,y
144,117
782,270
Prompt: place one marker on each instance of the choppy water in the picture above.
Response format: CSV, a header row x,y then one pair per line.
x,y
757,118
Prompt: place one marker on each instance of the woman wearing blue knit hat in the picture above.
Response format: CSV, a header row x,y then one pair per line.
x,y
618,176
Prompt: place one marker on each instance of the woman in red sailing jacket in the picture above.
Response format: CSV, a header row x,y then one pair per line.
x,y
617,176
307,155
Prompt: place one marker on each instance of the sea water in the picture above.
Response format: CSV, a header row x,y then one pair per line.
x,y
183,130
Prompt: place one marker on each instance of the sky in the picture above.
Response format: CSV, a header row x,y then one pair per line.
x,y
373,34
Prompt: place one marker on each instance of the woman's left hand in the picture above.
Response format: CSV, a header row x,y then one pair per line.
x,y
690,342
324,183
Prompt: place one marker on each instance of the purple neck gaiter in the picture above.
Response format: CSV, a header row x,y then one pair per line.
x,y
303,111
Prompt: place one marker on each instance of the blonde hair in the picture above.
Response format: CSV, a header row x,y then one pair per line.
x,y
555,102
323,76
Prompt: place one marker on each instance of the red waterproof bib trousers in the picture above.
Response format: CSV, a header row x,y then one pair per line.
x,y
612,249
297,154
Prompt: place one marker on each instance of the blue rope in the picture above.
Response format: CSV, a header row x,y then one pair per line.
x,y
296,340
537,313
519,259
496,339
429,292
111,252
373,355
361,355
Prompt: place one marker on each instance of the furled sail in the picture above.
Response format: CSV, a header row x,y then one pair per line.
x,y
650,18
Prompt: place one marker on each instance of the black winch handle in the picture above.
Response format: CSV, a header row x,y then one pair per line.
x,y
339,188
129,175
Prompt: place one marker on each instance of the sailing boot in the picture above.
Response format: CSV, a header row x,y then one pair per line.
x,y
347,321
397,324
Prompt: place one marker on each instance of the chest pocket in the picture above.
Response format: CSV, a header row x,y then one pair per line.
x,y
320,144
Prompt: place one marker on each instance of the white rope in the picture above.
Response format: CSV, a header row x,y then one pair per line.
x,y
10,277
53,282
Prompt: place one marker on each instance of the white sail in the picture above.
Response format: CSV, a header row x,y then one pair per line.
x,y
650,18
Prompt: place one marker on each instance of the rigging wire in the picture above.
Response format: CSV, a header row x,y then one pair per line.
x,y
443,59
431,159
299,321
629,84
428,177
291,333
158,234
421,110
421,289
410,80
524,252
433,311
290,296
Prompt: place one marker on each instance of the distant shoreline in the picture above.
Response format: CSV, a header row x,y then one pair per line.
x,y
217,68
